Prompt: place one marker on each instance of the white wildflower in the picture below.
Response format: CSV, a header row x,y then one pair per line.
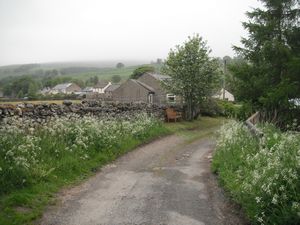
x,y
258,199
275,199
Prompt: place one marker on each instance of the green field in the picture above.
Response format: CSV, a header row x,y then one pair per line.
x,y
105,73
73,70
83,73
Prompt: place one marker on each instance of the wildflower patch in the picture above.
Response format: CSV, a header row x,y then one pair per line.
x,y
36,159
262,176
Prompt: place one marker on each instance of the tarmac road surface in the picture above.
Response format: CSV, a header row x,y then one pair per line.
x,y
166,182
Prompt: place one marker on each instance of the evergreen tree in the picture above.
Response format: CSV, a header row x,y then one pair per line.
x,y
20,94
270,75
95,80
32,90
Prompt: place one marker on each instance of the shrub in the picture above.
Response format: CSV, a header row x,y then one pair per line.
x,y
238,111
210,107
141,70
261,175
216,107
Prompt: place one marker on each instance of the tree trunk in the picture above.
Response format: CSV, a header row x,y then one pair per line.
x,y
189,110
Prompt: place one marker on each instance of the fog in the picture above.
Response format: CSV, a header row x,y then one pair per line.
x,y
35,31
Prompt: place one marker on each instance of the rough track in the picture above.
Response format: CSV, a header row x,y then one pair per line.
x,y
166,182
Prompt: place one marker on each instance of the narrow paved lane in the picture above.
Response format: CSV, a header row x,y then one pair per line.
x,y
166,182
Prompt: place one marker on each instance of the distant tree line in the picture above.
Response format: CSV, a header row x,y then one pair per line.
x,y
28,85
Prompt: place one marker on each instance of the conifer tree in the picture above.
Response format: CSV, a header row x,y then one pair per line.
x,y
270,75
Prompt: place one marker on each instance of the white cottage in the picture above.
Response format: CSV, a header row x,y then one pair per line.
x,y
67,88
224,95
101,86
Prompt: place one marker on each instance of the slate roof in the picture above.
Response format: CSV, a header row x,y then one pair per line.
x,y
62,86
88,89
112,87
159,77
101,84
143,85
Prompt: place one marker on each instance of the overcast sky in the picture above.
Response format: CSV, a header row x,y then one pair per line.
x,y
34,31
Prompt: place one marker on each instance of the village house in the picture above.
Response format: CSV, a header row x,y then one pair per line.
x,y
133,91
101,86
147,88
223,94
155,81
66,88
87,90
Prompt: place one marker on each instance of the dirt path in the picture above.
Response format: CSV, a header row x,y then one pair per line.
x,y
164,182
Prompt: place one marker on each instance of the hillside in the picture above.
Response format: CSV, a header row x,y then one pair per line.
x,y
78,70
19,80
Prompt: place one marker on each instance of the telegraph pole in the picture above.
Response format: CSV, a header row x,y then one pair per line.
x,y
224,78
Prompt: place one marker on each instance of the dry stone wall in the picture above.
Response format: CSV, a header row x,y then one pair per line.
x,y
41,112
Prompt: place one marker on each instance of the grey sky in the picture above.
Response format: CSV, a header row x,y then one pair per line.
x,y
35,31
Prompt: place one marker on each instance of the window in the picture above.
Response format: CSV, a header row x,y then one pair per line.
x,y
171,98
150,98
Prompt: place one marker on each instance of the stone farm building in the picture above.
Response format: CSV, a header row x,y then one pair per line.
x,y
66,88
109,91
147,88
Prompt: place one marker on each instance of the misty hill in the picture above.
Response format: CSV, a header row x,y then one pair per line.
x,y
81,70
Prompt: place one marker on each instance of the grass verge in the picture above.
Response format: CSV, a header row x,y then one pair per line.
x,y
262,175
194,130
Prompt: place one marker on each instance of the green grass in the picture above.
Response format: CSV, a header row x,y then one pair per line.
x,y
193,130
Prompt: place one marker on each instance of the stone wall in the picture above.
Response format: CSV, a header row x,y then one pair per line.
x,y
40,112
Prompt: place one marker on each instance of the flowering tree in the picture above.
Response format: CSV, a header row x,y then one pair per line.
x,y
192,71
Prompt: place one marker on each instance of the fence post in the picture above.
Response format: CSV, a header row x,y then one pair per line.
x,y
251,124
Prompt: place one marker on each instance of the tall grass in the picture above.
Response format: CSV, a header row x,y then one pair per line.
x,y
261,175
